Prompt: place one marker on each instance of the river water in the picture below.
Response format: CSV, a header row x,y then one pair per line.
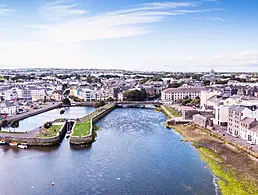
x,y
38,120
134,154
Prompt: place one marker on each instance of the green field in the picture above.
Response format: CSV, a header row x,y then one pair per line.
x,y
50,132
172,111
82,128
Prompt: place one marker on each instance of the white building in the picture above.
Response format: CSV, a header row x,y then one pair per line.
x,y
249,130
37,93
24,93
206,95
171,95
7,107
86,94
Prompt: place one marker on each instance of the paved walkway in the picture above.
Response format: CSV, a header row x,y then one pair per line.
x,y
32,112
223,132
30,134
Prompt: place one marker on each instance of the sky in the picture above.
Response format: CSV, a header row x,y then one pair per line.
x,y
147,35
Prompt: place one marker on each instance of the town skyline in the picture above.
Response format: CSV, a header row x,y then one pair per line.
x,y
136,35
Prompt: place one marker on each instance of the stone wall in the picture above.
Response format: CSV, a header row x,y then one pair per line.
x,y
39,141
80,140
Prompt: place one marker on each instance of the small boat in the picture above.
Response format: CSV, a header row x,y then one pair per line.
x,y
67,136
22,146
13,144
2,142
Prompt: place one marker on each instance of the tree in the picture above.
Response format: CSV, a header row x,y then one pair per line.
x,y
64,87
99,104
62,111
206,83
110,99
4,123
15,124
175,85
135,95
66,101
47,125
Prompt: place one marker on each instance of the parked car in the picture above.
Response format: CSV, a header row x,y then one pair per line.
x,y
250,142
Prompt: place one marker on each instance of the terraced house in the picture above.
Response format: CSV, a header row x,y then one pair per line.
x,y
242,122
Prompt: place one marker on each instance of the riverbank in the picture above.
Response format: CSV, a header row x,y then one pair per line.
x,y
237,172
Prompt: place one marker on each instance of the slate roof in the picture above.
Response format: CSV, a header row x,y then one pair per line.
x,y
237,108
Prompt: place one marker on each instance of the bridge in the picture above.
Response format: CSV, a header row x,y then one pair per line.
x,y
141,103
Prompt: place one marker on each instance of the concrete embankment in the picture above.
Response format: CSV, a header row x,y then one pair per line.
x,y
80,140
36,141
33,112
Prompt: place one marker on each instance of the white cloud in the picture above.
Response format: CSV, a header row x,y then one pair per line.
x,y
74,25
4,10
57,10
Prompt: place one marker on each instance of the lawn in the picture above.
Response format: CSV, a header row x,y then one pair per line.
x,y
172,111
82,128
50,132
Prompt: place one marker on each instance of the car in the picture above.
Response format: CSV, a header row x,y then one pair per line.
x,y
250,142
235,135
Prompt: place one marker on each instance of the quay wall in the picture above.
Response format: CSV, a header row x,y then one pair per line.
x,y
36,141
80,140
32,113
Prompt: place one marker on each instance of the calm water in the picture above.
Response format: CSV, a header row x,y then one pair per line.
x,y
134,154
38,120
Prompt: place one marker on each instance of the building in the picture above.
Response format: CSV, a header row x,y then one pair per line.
x,y
86,94
249,130
24,93
171,95
200,120
7,107
206,95
210,77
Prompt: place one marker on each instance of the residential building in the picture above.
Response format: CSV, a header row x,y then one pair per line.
x,y
171,95
8,107
86,94
249,130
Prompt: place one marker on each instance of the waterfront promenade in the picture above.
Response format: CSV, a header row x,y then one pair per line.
x,y
45,108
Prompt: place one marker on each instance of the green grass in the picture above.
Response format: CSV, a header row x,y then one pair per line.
x,y
82,128
11,132
228,182
172,111
50,132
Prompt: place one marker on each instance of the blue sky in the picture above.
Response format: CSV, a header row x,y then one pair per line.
x,y
130,34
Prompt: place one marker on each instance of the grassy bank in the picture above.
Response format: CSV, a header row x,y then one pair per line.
x,y
174,112
237,173
159,109
50,132
7,132
83,128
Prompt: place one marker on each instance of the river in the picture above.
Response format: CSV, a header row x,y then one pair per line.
x,y
38,120
134,154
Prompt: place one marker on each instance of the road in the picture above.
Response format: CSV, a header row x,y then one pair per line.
x,y
223,132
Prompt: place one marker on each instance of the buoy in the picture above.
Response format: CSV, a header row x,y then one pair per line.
x,y
53,183
32,187
118,179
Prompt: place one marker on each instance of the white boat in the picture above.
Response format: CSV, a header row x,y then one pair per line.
x,y
22,146
13,144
